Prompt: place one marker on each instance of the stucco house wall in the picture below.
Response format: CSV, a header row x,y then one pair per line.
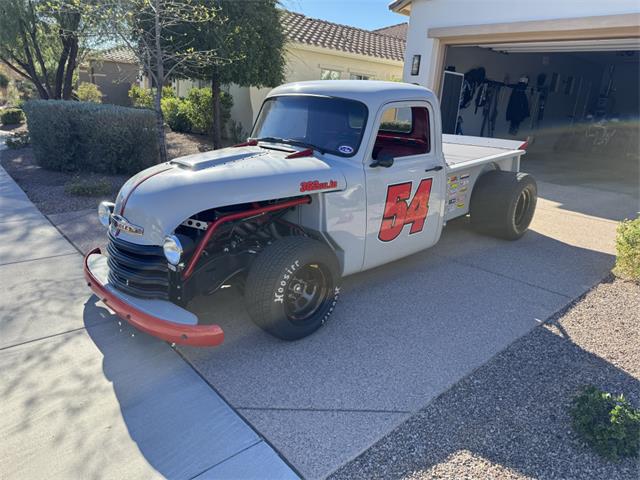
x,y
306,62
114,79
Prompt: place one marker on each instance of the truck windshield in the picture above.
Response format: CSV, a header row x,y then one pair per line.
x,y
328,124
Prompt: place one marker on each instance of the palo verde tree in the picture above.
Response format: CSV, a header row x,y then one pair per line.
x,y
250,46
155,30
42,40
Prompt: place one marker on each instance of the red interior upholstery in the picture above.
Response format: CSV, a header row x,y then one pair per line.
x,y
398,144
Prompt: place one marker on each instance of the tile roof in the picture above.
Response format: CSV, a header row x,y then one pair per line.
x,y
311,31
398,31
119,54
320,33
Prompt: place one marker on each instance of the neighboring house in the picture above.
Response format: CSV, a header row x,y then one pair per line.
x,y
113,71
574,59
317,49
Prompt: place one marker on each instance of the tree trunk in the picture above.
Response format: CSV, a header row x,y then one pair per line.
x,y
217,122
162,143
67,87
62,61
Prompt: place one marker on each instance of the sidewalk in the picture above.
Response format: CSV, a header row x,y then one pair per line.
x,y
85,397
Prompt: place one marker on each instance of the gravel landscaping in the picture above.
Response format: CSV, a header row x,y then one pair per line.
x,y
509,419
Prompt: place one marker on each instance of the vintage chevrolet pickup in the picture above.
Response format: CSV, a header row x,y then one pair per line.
x,y
336,178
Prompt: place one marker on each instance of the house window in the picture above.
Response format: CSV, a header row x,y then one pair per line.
x,y
327,74
357,76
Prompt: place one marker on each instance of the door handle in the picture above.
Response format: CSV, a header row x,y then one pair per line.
x,y
437,168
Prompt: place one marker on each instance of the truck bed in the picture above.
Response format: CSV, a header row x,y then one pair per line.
x,y
462,152
466,158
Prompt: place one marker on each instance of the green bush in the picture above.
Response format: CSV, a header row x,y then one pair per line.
x,y
89,92
144,97
609,424
18,140
11,116
628,249
88,187
176,114
200,109
84,136
4,80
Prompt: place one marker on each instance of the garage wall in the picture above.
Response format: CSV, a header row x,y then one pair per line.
x,y
426,14
499,66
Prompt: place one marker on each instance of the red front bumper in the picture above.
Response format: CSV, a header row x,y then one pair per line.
x,y
194,335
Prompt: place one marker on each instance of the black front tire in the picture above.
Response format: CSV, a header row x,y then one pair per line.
x,y
503,204
292,287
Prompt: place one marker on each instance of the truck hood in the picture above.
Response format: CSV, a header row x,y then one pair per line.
x,y
160,198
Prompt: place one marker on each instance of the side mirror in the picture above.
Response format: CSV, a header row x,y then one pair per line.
x,y
384,160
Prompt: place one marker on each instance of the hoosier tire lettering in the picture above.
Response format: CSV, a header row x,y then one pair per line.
x,y
279,293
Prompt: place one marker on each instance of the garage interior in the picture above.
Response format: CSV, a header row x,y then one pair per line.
x,y
576,102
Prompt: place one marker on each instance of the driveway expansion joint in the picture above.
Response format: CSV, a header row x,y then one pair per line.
x,y
257,442
341,410
37,259
467,264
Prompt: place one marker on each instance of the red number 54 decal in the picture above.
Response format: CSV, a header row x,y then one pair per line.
x,y
397,213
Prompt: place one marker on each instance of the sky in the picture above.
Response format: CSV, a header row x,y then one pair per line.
x,y
367,14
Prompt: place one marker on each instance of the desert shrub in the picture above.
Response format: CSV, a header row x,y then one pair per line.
x,y
144,97
88,187
200,109
18,140
628,250
11,116
89,92
609,424
84,136
176,114
140,97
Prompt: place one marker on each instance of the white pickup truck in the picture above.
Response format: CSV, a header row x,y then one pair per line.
x,y
337,177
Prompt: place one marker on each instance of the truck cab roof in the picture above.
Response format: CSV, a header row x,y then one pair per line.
x,y
372,93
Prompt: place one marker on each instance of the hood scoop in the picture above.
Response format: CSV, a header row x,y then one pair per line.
x,y
201,161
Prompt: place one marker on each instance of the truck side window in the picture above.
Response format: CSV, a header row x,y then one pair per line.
x,y
403,132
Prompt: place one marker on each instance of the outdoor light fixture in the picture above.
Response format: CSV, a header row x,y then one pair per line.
x,y
415,64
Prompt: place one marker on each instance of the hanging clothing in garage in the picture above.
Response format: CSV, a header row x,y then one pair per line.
x,y
518,108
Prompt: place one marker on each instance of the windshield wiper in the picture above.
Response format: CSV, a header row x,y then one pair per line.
x,y
290,141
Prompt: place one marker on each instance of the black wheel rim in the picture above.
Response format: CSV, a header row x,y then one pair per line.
x,y
306,293
522,208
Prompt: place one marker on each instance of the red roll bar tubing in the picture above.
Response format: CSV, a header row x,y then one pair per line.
x,y
213,226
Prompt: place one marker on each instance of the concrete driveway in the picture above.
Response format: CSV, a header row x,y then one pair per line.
x,y
405,332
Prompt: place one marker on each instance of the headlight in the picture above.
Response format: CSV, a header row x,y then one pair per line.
x,y
105,209
172,249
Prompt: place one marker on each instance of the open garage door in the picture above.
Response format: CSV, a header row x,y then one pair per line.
x,y
577,101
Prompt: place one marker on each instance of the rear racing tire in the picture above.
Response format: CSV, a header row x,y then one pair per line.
x,y
503,204
292,287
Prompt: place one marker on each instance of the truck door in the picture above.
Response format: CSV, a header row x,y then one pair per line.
x,y
404,172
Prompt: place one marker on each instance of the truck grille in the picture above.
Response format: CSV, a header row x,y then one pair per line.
x,y
139,270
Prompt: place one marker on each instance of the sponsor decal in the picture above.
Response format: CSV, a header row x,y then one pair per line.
x,y
317,185
398,213
346,149
121,224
